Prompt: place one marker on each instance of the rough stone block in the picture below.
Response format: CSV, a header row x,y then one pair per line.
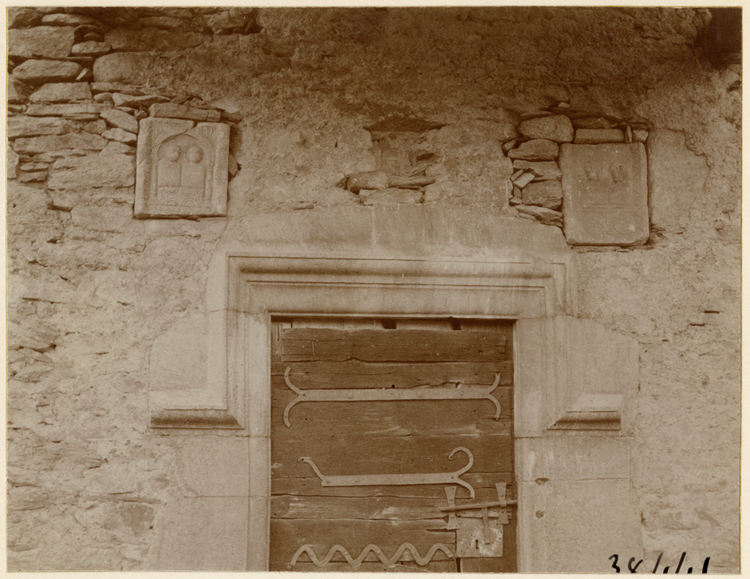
x,y
124,67
115,147
23,17
121,136
57,92
524,179
120,120
204,534
134,101
92,171
542,170
556,128
33,127
65,110
543,214
677,177
545,193
605,194
175,111
593,136
29,499
33,177
11,162
96,127
535,150
18,92
90,48
83,141
40,42
68,20
182,168
42,71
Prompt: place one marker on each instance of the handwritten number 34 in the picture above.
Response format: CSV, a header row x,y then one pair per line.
x,y
631,568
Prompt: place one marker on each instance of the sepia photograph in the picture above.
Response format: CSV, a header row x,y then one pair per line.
x,y
380,288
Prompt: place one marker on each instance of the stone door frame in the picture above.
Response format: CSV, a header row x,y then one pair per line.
x,y
245,292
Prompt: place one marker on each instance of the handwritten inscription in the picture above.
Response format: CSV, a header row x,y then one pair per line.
x,y
632,565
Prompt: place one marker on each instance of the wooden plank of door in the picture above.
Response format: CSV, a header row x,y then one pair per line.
x,y
367,567
363,454
398,418
358,374
300,344
288,535
310,486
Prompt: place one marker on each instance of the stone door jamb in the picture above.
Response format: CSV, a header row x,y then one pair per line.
x,y
243,297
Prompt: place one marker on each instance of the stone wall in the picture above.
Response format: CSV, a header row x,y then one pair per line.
x,y
378,113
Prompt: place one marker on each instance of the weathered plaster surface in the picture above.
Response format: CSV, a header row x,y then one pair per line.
x,y
93,293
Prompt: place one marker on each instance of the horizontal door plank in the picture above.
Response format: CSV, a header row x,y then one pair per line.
x,y
288,535
389,454
300,344
395,417
357,374
483,483
401,567
360,508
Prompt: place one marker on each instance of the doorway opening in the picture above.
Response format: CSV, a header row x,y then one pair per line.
x,y
392,445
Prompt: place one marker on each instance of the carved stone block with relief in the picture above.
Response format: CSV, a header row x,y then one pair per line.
x,y
605,194
181,168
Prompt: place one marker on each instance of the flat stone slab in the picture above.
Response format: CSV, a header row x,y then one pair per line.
x,y
120,120
535,150
182,168
42,71
605,194
58,92
545,193
41,42
542,170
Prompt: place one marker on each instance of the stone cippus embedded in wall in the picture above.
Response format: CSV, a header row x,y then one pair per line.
x,y
182,168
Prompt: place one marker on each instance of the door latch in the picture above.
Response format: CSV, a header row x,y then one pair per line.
x,y
478,534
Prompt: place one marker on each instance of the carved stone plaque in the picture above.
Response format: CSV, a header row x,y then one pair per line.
x,y
182,168
605,194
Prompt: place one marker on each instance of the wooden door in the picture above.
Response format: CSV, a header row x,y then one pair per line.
x,y
375,408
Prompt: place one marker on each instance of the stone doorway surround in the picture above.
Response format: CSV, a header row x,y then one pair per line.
x,y
576,381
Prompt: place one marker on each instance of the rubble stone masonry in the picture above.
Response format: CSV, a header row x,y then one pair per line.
x,y
373,112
